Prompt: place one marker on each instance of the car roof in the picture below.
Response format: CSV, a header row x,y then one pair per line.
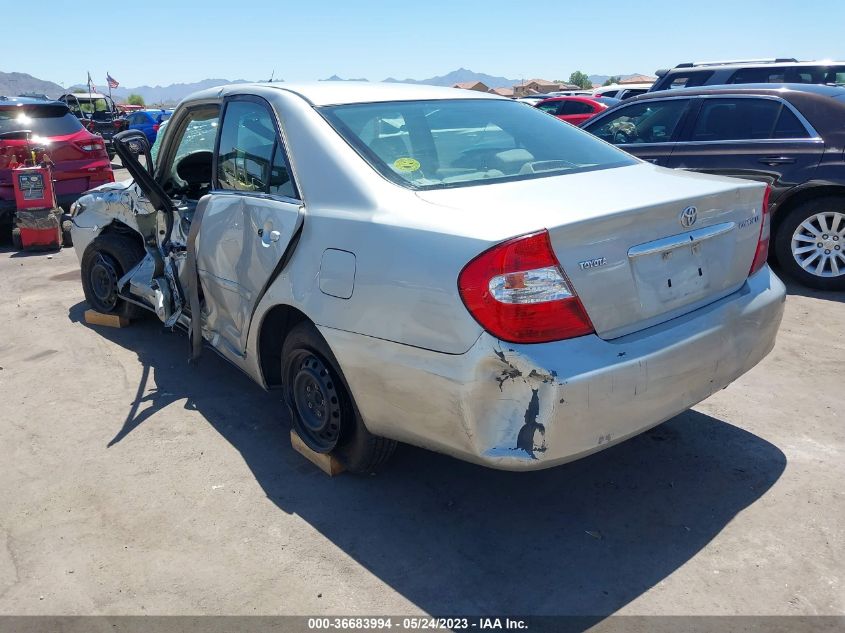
x,y
323,93
21,101
83,96
571,98
752,63
784,90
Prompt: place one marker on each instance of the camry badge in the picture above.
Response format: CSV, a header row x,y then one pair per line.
x,y
688,217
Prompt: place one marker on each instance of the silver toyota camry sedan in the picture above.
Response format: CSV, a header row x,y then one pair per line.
x,y
434,266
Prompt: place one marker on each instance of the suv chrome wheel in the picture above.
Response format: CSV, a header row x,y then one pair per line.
x,y
817,244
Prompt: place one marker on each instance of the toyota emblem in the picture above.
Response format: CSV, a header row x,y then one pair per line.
x,y
688,217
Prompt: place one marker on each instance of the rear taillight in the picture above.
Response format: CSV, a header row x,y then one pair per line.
x,y
762,251
156,126
518,292
91,146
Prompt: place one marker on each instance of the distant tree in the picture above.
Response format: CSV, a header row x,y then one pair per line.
x,y
580,79
612,80
135,99
80,91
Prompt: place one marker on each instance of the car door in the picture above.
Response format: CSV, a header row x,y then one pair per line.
x,y
248,222
755,137
648,129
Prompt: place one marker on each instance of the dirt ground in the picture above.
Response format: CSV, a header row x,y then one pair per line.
x,y
131,483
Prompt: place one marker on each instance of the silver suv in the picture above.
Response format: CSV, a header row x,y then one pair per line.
x,y
749,71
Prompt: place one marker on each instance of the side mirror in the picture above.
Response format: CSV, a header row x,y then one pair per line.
x,y
130,144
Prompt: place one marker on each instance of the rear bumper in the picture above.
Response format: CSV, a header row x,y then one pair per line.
x,y
526,407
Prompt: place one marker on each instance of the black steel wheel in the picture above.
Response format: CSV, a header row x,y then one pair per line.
x,y
103,278
106,259
321,406
316,401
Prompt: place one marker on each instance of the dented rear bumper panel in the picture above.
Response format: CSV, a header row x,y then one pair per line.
x,y
526,407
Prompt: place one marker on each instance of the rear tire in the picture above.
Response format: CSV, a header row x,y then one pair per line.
x,y
107,258
322,410
810,243
17,242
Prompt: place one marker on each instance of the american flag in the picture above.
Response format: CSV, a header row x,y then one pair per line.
x,y
113,83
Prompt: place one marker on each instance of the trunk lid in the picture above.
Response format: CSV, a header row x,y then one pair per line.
x,y
622,236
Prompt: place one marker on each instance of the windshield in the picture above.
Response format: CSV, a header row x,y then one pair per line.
x,y
42,120
443,143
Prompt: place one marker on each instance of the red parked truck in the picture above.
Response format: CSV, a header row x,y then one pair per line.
x,y
78,159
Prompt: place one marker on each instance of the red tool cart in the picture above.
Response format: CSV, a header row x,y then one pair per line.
x,y
38,224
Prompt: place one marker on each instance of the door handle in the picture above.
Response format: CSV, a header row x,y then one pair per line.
x,y
268,237
777,160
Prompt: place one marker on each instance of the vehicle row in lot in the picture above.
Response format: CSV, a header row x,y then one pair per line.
x,y
78,158
440,267
789,136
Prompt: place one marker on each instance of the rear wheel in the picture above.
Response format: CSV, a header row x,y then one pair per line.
x,y
322,410
810,243
107,258
17,242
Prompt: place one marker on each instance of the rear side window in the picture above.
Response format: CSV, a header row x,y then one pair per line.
x,y
646,122
551,107
746,119
576,107
250,153
43,120
688,80
765,75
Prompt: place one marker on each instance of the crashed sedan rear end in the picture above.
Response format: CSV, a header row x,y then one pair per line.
x,y
449,270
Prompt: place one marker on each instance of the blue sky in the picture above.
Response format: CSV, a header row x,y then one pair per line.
x,y
162,42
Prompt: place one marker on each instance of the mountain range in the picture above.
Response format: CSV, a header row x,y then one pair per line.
x,y
16,83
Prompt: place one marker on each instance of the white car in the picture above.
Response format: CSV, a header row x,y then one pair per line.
x,y
622,91
435,266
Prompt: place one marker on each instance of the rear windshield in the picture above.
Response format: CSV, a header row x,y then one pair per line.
x,y
41,120
450,143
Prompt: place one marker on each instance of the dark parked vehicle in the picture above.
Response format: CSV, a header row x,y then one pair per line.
x,y
98,114
791,136
753,71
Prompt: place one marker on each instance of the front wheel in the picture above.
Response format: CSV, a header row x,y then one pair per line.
x,y
810,243
106,259
322,410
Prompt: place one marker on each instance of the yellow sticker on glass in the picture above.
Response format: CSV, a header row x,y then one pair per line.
x,y
406,164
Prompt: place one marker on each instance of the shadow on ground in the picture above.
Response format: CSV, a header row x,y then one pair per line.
x,y
453,538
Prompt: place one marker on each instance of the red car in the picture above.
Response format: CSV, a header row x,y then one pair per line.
x,y
574,110
80,161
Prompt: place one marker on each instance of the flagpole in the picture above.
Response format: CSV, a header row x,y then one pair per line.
x,y
109,84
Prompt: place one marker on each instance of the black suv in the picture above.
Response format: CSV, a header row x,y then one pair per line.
x,y
791,136
760,71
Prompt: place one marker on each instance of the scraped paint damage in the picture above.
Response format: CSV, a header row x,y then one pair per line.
x,y
531,436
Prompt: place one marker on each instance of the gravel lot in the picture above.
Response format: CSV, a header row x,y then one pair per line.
x,y
131,483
